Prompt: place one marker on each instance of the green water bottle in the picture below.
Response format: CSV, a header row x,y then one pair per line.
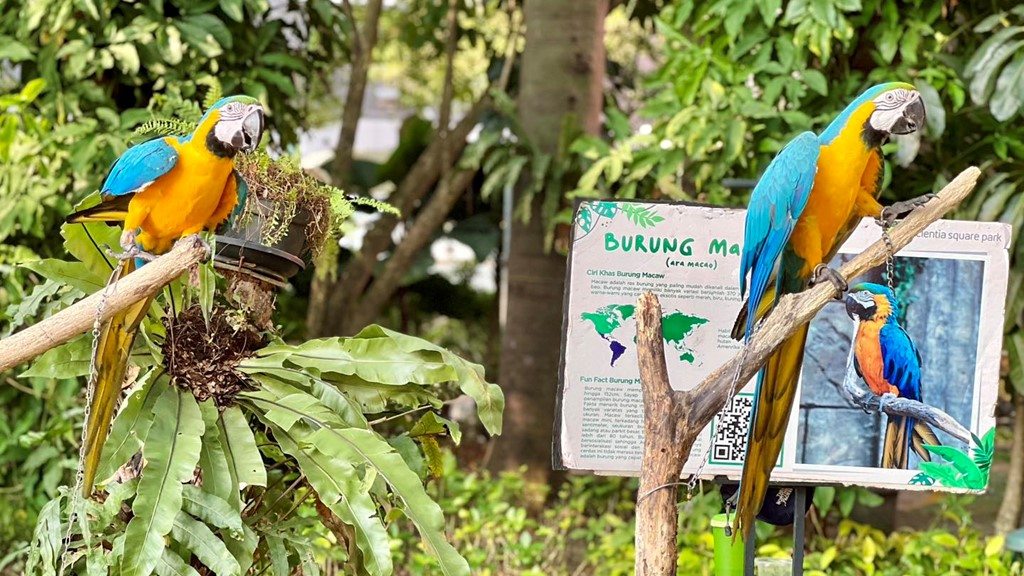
x,y
728,554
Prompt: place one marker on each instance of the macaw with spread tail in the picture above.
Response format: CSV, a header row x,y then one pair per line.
x,y
886,358
162,190
809,200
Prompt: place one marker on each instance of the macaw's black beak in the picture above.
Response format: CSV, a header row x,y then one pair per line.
x,y
913,118
860,305
252,129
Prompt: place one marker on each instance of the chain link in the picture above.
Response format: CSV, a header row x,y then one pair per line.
x,y
90,388
889,255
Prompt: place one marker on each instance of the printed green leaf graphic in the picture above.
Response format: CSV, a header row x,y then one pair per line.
x,y
642,216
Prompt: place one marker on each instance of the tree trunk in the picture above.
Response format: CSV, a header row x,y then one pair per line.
x,y
561,76
1010,510
364,40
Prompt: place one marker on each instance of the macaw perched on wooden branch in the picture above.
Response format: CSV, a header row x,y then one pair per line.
x,y
162,190
886,358
809,200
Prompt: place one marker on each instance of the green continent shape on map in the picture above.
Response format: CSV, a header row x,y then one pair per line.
x,y
675,328
606,321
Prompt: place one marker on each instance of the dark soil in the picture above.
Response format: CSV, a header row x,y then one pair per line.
x,y
202,359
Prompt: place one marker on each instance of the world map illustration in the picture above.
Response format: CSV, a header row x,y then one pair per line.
x,y
616,324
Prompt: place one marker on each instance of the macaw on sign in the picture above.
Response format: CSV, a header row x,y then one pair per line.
x,y
803,208
886,358
162,190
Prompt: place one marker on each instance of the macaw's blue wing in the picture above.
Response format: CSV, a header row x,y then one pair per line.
x,y
136,169
243,194
775,205
139,167
902,367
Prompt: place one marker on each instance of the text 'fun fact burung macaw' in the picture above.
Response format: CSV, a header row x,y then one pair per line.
x,y
162,190
886,358
809,200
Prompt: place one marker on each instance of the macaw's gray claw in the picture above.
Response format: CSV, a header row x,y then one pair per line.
x,y
823,273
900,209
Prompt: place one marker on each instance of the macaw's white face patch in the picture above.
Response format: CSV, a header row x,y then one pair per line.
x,y
891,111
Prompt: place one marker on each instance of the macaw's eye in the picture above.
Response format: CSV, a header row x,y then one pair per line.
x,y
889,97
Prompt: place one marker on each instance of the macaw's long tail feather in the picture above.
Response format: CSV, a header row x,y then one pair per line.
x,y
739,327
776,389
114,209
896,444
111,361
903,434
923,436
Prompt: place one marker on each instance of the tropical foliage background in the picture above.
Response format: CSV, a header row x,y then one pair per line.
x,y
692,99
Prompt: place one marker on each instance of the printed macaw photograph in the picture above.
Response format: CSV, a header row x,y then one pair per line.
x,y
889,374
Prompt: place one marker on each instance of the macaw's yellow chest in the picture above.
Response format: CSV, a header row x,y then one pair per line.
x,y
847,168
185,200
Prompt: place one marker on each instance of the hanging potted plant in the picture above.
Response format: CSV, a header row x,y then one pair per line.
x,y
288,218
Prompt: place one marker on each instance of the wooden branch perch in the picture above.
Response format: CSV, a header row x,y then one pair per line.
x,y
673,418
895,406
25,345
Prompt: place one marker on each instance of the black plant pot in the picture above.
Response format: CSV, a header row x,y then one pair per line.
x,y
240,247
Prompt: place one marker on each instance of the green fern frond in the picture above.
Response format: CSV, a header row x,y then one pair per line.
x,y
379,206
215,92
165,127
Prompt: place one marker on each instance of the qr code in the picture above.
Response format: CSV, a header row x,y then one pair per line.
x,y
729,438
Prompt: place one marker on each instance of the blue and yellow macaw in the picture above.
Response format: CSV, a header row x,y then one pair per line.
x,y
803,208
886,358
162,190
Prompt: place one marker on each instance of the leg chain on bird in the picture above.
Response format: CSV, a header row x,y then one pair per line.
x,y
93,374
890,254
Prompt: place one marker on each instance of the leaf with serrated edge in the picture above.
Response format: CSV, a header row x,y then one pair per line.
x,y
239,442
171,452
210,550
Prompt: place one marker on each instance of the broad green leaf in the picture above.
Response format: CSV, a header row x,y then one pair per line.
x,y
233,9
490,400
77,242
127,57
284,381
202,542
376,359
278,555
338,486
68,360
293,408
47,541
430,424
365,446
211,509
969,475
171,452
986,63
244,457
11,49
131,425
1008,97
74,274
171,564
935,111
243,550
214,462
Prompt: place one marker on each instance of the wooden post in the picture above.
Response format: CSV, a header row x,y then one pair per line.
x,y
672,419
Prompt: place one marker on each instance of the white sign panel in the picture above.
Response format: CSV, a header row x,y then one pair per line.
x,y
950,284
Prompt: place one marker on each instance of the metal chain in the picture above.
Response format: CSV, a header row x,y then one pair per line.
x,y
76,496
890,254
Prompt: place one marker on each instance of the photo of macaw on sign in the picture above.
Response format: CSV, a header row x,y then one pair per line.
x,y
889,375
